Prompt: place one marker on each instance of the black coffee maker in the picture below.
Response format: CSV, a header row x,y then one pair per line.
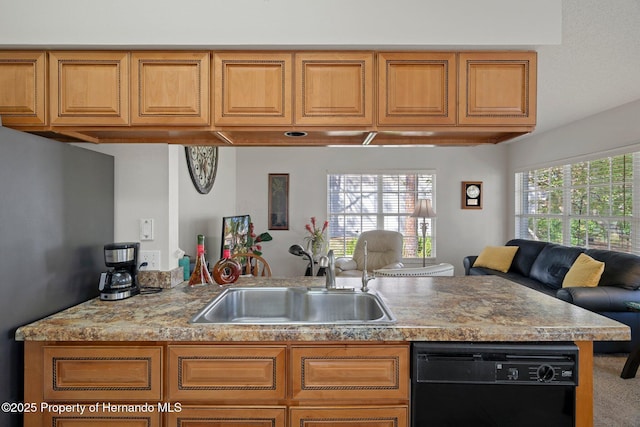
x,y
122,280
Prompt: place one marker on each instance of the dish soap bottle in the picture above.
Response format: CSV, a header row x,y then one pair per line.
x,y
200,275
227,270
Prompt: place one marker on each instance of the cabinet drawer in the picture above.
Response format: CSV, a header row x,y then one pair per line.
x,y
369,372
126,418
103,373
199,373
245,416
395,416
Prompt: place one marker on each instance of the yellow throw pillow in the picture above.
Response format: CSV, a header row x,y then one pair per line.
x,y
496,257
585,271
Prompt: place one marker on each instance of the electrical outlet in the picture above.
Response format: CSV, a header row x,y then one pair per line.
x,y
152,258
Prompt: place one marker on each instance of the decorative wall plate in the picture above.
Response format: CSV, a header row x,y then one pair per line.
x,y
472,195
202,161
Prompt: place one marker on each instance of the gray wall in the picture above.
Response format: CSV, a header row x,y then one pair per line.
x,y
56,214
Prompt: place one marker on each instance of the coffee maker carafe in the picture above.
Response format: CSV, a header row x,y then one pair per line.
x,y
121,281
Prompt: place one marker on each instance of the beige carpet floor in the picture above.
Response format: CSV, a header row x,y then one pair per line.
x,y
616,402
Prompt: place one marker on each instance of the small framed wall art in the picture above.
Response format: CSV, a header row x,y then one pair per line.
x,y
278,201
471,194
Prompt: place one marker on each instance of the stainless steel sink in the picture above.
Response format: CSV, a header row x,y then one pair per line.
x,y
279,305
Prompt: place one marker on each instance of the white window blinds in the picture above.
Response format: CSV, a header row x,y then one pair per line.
x,y
361,202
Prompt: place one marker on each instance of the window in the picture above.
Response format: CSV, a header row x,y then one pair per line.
x,y
385,201
593,204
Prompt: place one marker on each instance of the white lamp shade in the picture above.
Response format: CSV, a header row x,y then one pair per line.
x,y
423,209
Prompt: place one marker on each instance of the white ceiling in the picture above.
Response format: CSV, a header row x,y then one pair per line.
x,y
597,66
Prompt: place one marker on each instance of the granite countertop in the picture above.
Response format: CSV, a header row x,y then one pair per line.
x,y
472,308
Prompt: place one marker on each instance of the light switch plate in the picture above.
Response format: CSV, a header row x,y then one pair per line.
x,y
146,229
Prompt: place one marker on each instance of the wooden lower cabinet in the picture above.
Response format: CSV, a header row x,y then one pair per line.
x,y
217,384
392,416
222,373
101,419
245,416
350,372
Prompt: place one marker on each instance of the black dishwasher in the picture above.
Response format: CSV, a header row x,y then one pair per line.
x,y
493,384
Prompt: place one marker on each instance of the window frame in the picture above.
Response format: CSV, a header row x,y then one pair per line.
x,y
343,248
591,185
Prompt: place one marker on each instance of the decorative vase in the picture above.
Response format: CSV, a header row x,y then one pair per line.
x,y
200,275
227,270
317,247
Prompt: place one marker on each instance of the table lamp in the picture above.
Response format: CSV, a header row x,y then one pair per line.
x,y
424,210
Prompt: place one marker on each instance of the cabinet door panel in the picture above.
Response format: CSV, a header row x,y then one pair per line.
x,y
124,418
170,88
497,88
89,88
417,88
226,372
252,89
245,416
102,373
350,417
350,372
334,88
23,88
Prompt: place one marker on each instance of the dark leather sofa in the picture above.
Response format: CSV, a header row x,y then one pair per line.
x,y
542,266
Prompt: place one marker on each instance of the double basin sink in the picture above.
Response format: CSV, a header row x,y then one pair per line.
x,y
299,306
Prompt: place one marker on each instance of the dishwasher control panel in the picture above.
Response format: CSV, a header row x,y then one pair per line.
x,y
535,372
496,363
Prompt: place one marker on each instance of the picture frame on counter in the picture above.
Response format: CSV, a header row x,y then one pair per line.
x,y
235,230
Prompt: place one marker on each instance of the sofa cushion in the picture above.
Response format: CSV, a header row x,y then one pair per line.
x,y
621,269
585,271
553,263
526,255
496,257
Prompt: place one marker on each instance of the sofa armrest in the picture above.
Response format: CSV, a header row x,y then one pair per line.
x,y
344,264
467,262
599,298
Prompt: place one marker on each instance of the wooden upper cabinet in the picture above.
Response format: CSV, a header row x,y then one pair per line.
x,y
497,88
334,89
23,88
417,88
89,88
252,88
170,88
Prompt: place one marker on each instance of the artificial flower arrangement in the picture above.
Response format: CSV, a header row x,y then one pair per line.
x,y
253,241
316,238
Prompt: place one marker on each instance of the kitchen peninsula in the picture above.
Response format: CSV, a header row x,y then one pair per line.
x,y
143,350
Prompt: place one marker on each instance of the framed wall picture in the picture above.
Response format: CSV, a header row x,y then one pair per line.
x,y
278,201
471,194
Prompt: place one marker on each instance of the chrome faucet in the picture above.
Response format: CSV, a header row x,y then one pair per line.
x,y
331,271
365,276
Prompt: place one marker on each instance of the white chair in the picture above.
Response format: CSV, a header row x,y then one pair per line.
x,y
442,269
384,248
